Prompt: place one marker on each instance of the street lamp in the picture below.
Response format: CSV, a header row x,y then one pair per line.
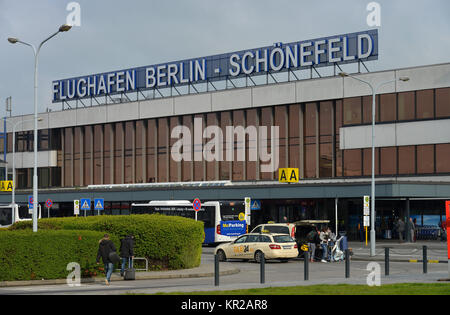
x,y
372,210
13,194
12,40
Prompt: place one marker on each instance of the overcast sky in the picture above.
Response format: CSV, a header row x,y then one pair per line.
x,y
117,34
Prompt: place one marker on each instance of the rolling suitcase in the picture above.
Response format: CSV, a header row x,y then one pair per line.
x,y
130,273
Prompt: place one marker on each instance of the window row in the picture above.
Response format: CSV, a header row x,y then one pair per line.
x,y
406,160
405,106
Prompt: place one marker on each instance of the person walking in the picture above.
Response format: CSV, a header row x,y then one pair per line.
x,y
400,229
412,229
324,243
105,248
126,252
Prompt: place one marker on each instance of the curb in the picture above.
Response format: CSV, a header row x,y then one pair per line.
x,y
115,277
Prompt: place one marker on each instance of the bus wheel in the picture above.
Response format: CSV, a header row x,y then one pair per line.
x,y
221,255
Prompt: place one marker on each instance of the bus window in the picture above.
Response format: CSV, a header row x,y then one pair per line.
x,y
6,217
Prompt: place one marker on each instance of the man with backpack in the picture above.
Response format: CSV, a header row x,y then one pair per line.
x,y
126,252
313,238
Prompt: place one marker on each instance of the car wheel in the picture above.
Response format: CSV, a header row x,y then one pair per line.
x,y
258,256
221,255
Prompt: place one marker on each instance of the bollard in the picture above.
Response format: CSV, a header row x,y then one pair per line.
x,y
386,261
306,257
262,269
425,259
216,270
347,263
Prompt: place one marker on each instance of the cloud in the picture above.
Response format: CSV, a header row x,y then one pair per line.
x,y
121,34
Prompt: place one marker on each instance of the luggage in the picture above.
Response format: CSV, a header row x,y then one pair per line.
x,y
130,273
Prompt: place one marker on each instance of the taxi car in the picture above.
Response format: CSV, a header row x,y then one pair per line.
x,y
251,247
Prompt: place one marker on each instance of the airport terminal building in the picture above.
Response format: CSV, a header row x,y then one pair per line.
x,y
169,143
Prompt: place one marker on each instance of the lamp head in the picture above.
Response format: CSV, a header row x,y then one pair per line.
x,y
404,79
343,74
12,40
65,27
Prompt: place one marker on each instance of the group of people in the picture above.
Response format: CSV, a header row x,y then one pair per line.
x,y
107,249
323,239
402,227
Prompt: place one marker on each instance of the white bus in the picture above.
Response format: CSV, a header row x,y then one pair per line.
x,y
223,221
10,215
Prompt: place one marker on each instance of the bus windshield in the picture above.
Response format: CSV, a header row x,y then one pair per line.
x,y
230,211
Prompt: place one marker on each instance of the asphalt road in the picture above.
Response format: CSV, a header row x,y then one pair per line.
x,y
276,274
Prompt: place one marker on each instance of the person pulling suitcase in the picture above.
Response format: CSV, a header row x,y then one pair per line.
x,y
127,253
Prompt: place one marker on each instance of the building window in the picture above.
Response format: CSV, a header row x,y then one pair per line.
x,y
326,139
406,106
406,160
442,158
352,111
310,139
352,162
425,159
388,161
443,102
388,107
425,104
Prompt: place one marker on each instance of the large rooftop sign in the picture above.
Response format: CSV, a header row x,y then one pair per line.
x,y
280,57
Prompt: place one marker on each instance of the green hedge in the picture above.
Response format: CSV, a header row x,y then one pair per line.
x,y
168,242
25,255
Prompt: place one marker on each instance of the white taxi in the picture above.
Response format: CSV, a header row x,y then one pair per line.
x,y
251,246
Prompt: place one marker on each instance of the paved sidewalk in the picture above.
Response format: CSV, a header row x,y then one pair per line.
x,y
204,270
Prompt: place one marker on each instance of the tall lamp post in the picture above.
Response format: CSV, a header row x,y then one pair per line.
x,y
372,184
63,28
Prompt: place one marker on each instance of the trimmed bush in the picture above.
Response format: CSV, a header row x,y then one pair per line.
x,y
169,242
25,255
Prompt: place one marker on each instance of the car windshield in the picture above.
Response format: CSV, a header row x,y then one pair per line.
x,y
277,229
283,239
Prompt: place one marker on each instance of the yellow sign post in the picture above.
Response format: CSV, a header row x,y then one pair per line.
x,y
288,175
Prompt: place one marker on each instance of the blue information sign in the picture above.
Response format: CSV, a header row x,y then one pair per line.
x,y
99,204
233,228
85,204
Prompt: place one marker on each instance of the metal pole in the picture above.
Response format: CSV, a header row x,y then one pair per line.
x,y
13,193
262,269
425,259
336,214
386,261
306,257
347,263
216,270
372,184
35,175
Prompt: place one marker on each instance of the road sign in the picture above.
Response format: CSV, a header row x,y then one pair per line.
x,y
76,207
99,204
30,202
49,203
366,202
6,185
288,175
256,205
85,204
197,205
